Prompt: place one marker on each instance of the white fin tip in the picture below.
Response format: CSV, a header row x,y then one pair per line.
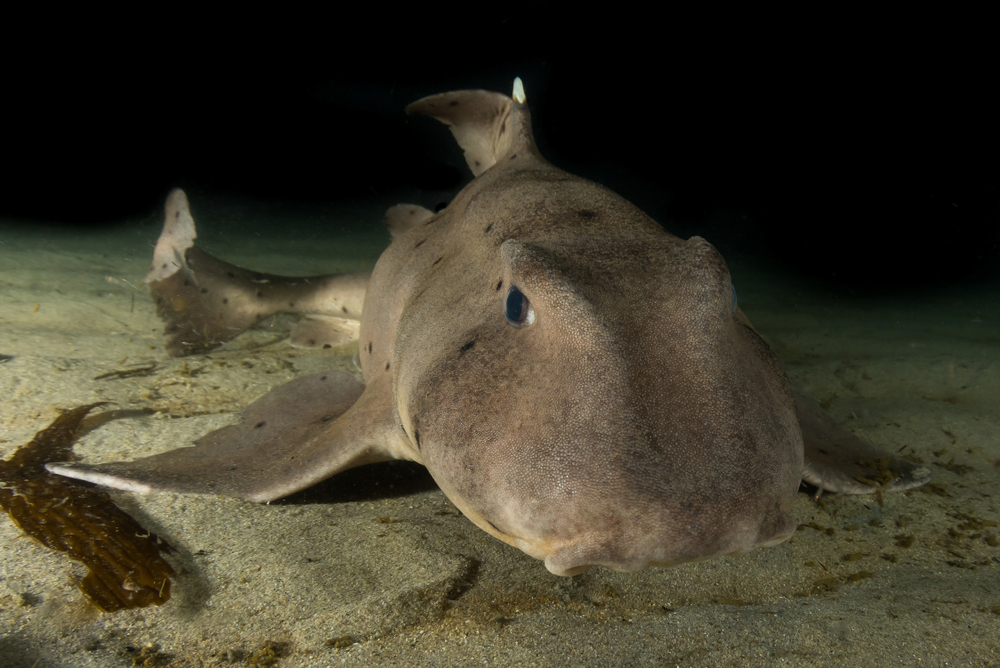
x,y
518,93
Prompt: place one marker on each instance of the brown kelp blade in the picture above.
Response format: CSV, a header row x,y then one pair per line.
x,y
126,569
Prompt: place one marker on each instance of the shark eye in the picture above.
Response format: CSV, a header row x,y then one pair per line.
x,y
518,309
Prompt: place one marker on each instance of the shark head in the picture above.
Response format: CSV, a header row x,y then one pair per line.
x,y
580,382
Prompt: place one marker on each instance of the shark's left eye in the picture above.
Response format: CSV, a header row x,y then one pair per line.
x,y
517,308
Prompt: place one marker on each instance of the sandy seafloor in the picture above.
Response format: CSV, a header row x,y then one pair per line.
x,y
917,372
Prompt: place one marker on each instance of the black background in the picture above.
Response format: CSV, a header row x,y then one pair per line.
x,y
851,148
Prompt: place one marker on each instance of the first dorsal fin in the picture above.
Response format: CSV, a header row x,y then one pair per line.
x,y
488,126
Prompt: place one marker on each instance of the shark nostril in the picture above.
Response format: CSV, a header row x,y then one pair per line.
x,y
572,559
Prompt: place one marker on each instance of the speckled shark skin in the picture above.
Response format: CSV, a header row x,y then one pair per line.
x,y
579,382
205,301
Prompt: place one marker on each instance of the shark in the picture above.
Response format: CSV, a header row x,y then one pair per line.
x,y
579,382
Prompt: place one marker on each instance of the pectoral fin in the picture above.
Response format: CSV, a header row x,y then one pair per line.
x,y
838,461
291,438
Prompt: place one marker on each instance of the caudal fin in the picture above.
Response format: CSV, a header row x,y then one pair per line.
x,y
204,301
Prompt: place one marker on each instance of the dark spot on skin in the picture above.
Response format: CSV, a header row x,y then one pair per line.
x,y
260,294
420,243
177,215
225,300
488,228
466,347
503,128
586,214
438,260
230,274
159,301
344,309
513,155
204,291
478,163
453,103
387,366
291,304
326,346
164,265
369,347
311,342
259,425
416,437
323,377
499,284
187,283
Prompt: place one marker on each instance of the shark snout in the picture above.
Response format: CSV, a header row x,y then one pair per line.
x,y
639,543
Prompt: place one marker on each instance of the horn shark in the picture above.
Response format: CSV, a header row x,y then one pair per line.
x,y
579,382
